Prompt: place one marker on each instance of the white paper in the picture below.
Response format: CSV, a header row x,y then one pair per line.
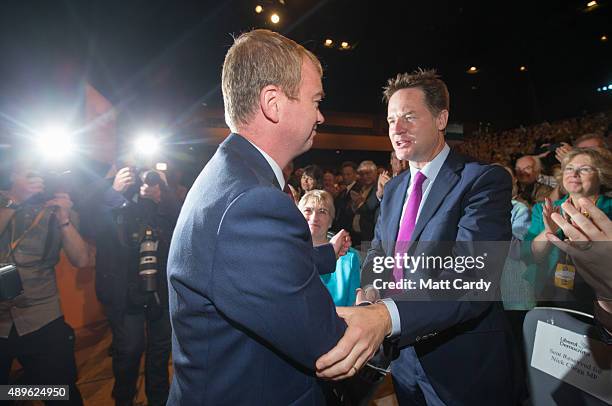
x,y
569,357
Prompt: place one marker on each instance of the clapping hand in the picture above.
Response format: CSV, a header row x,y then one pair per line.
x,y
547,211
587,234
383,178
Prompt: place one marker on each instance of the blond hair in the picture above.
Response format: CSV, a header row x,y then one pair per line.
x,y
319,198
602,162
257,59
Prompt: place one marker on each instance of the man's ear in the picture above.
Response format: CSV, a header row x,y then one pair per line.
x,y
442,120
270,98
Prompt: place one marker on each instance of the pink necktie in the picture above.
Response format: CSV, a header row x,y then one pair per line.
x,y
409,221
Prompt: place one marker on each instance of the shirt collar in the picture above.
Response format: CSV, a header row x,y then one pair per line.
x,y
278,171
433,167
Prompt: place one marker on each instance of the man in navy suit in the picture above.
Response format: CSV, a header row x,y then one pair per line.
x,y
452,351
249,313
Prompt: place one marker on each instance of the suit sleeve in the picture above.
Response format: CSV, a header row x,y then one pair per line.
x,y
265,279
325,259
486,218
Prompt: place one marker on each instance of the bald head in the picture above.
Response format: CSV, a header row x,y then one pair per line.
x,y
527,169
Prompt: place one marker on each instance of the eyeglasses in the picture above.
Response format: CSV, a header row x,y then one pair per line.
x,y
582,170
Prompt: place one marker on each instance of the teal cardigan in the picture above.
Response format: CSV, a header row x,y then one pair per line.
x,y
537,226
343,282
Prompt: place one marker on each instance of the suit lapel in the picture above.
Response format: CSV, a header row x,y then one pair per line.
x,y
443,184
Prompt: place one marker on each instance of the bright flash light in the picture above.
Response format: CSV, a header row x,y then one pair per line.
x,y
55,143
258,9
146,144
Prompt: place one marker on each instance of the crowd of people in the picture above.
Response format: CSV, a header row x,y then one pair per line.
x,y
256,280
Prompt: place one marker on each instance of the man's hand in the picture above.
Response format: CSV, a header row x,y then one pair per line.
x,y
62,204
151,192
367,328
592,259
562,151
341,242
369,294
383,178
124,179
357,199
25,185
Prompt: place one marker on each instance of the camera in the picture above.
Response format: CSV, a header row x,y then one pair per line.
x,y
10,282
54,182
147,267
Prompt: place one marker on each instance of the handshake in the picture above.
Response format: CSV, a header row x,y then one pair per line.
x,y
367,327
362,354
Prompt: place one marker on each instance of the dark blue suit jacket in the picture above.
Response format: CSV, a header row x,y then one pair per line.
x,y
464,347
250,315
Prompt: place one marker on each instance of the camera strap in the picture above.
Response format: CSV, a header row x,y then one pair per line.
x,y
15,243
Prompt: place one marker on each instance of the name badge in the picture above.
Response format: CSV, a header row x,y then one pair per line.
x,y
564,276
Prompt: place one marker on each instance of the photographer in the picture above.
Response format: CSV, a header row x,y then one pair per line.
x,y
34,225
123,207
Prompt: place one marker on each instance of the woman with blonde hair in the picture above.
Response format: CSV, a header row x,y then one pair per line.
x,y
586,173
317,206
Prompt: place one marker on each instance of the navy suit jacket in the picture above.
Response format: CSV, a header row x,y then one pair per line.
x,y
464,347
250,315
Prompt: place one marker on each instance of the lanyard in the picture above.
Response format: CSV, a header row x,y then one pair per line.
x,y
15,243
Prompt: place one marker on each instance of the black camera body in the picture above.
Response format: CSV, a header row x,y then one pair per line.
x,y
54,182
10,282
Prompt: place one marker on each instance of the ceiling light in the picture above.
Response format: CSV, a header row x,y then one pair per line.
x,y
604,38
274,18
258,9
523,68
344,45
472,70
591,3
328,42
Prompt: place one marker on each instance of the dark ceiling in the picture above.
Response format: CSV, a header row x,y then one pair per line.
x,y
161,59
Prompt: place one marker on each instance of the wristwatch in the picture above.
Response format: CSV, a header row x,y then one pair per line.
x,y
8,203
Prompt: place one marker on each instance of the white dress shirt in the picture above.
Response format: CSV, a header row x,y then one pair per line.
x,y
431,171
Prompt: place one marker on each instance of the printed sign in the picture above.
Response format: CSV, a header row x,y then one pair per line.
x,y
574,358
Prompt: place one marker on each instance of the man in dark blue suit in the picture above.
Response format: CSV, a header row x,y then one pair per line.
x,y
453,351
249,313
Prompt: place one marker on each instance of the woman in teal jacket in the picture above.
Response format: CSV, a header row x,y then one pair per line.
x,y
317,206
586,173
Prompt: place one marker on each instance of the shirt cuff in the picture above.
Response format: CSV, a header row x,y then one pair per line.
x,y
396,325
